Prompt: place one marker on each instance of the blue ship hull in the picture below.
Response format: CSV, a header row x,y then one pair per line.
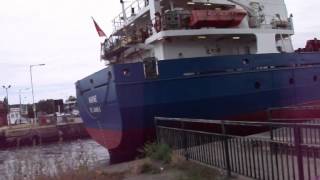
x,y
118,104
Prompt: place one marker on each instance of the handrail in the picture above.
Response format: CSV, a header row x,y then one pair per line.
x,y
241,123
118,21
296,108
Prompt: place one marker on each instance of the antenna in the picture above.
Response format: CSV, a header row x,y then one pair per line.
x,y
171,5
123,11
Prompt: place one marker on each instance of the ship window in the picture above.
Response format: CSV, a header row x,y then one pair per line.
x,y
91,81
109,74
291,81
126,72
150,68
315,78
245,61
257,85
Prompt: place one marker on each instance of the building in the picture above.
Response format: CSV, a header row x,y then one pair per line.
x,y
14,115
18,114
69,106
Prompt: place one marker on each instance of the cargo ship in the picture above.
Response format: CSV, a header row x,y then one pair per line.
x,y
229,59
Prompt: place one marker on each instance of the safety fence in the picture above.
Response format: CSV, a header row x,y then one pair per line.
x,y
284,151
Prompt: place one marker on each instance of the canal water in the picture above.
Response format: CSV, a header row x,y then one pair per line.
x,y
49,159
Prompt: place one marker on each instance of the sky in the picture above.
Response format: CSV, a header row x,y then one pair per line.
x,y
60,34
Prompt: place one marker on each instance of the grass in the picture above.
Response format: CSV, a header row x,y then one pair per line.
x,y
173,162
159,152
194,171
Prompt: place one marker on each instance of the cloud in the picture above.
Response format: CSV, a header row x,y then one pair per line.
x,y
58,33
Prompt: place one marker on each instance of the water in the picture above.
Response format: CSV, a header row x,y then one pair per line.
x,y
48,159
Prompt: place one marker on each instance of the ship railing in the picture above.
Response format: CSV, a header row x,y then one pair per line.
x,y
130,12
129,36
219,143
307,114
179,19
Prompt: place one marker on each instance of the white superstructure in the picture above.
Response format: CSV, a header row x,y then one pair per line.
x,y
172,29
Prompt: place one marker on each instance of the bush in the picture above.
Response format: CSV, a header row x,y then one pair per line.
x,y
160,152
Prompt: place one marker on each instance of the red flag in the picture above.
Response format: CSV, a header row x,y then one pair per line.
x,y
99,30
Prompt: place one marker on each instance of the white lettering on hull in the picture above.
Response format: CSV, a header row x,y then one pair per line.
x,y
92,99
95,109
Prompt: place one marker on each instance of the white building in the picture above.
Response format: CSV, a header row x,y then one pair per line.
x,y
14,115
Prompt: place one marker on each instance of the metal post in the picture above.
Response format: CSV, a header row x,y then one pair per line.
x,y
298,142
138,1
7,94
226,148
157,130
270,120
34,105
185,144
124,11
9,117
20,106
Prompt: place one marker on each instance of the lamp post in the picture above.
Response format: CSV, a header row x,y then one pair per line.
x,y
7,94
34,105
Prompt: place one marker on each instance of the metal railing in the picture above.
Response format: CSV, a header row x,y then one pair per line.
x,y
309,134
258,157
137,5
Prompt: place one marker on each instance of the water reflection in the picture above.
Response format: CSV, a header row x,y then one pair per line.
x,y
49,159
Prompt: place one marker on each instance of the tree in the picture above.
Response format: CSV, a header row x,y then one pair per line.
x,y
6,105
30,111
71,98
46,106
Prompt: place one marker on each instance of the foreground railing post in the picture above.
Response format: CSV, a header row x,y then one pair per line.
x,y
297,143
270,120
157,130
185,142
226,148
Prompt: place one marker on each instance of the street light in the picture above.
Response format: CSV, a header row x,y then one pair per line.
x,y
6,88
34,105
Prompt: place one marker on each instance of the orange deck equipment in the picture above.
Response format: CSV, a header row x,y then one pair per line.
x,y
217,18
